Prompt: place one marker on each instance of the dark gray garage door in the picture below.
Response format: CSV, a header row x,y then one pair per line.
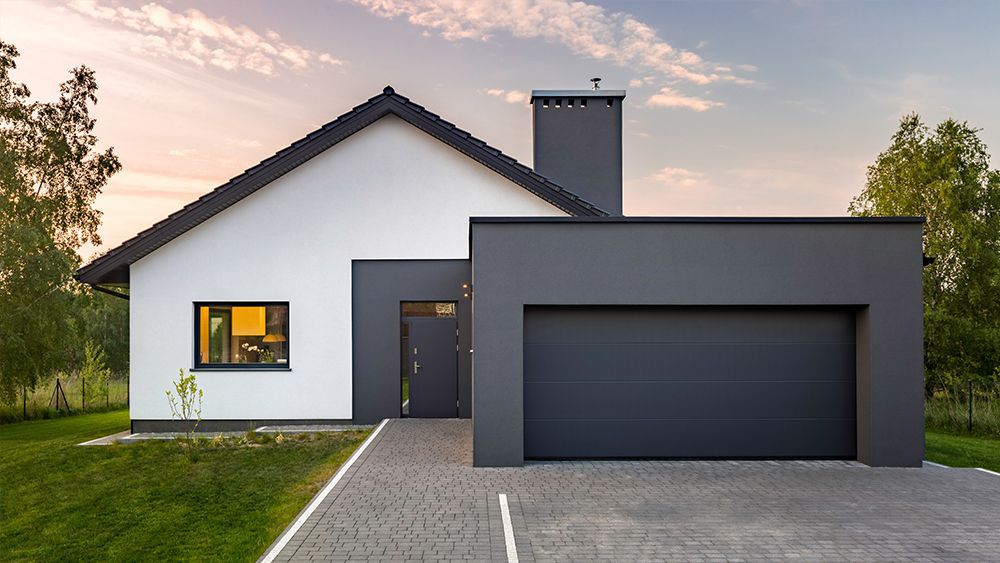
x,y
720,382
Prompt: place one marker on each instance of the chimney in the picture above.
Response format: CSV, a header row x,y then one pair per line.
x,y
578,142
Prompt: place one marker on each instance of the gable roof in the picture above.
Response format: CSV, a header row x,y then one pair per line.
x,y
112,267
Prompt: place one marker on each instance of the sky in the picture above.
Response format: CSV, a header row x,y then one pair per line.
x,y
733,108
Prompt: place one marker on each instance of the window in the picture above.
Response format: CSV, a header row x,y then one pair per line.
x,y
427,309
241,335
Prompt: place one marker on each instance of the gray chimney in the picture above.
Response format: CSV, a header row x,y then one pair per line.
x,y
578,142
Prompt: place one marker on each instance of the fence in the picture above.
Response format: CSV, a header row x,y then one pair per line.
x,y
966,409
74,396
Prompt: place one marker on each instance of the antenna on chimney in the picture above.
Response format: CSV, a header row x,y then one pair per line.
x,y
597,83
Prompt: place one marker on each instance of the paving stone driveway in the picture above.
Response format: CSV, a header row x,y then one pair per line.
x,y
415,496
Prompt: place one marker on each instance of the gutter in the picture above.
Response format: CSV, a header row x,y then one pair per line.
x,y
118,294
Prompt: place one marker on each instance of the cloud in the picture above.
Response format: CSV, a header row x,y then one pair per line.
x,y
764,184
196,38
509,96
243,143
585,29
678,177
668,97
192,156
637,82
142,181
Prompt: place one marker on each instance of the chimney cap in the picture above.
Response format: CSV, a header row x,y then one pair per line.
x,y
577,94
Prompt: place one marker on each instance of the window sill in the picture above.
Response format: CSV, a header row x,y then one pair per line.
x,y
241,369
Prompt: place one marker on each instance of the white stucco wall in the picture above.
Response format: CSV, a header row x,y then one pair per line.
x,y
389,191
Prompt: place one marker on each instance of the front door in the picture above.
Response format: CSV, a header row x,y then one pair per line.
x,y
433,367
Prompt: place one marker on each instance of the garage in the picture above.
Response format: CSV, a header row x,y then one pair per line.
x,y
689,382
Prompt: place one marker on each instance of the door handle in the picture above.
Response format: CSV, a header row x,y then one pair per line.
x,y
416,367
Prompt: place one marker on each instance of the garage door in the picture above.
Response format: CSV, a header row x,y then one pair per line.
x,y
689,382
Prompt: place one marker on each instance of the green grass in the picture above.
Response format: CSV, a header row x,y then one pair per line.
x,y
948,438
963,451
149,501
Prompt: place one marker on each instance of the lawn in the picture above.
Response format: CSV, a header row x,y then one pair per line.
x,y
963,451
150,501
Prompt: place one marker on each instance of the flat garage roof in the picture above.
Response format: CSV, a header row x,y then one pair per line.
x,y
696,219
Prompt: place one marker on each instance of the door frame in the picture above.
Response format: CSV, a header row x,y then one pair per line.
x,y
405,357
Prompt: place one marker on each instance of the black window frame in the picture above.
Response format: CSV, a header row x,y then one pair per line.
x,y
199,366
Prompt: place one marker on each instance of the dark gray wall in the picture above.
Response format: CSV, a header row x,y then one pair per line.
x,y
581,148
378,287
873,265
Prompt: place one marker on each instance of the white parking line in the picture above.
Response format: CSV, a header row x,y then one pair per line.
x,y
988,471
290,531
508,530
931,463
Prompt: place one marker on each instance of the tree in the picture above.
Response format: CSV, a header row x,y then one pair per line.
x,y
103,320
94,370
50,175
944,175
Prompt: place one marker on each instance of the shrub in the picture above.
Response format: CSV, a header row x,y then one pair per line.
x,y
185,405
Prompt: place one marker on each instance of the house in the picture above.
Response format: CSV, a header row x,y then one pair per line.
x,y
391,252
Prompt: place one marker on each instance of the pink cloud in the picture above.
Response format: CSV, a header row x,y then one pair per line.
x,y
668,97
509,96
194,37
678,177
585,29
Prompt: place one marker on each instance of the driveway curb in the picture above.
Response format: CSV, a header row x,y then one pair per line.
x,y
274,550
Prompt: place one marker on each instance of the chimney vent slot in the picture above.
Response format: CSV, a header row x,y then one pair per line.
x,y
583,102
545,102
611,102
569,102
558,102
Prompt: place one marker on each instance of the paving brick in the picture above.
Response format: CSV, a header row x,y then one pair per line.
x,y
415,496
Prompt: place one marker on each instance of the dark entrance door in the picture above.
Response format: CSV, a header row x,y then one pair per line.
x,y
433,367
